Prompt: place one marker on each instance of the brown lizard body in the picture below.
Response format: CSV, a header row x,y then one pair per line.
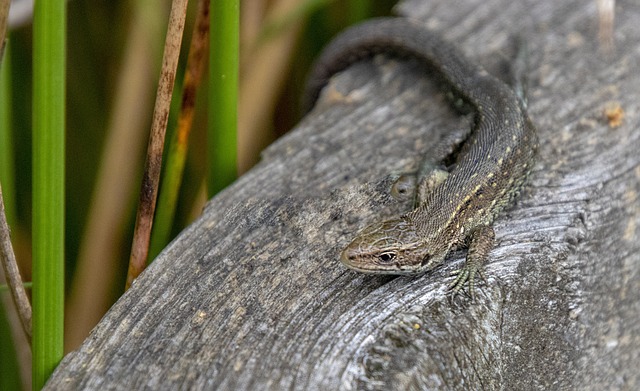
x,y
460,206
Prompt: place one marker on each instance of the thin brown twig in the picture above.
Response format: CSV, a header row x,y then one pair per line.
x,y
153,164
179,144
4,17
8,257
12,273
195,65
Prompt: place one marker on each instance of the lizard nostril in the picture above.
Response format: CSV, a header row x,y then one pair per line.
x,y
347,257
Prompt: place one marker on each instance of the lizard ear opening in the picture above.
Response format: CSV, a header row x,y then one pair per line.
x,y
425,260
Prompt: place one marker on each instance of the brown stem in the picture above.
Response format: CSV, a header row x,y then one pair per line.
x,y
4,16
12,273
195,64
153,164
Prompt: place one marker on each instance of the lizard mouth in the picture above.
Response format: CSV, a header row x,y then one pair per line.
x,y
350,261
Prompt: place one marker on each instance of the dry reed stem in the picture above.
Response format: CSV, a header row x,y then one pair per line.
x,y
153,164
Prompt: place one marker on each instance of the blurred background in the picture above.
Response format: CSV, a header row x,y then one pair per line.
x,y
114,51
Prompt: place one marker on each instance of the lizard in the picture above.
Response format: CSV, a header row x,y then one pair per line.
x,y
457,207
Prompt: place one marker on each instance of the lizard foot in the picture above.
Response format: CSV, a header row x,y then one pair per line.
x,y
465,276
482,239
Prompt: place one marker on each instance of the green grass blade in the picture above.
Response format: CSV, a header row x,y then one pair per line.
x,y
223,94
49,31
359,10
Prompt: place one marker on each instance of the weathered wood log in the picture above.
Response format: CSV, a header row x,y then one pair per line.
x,y
252,294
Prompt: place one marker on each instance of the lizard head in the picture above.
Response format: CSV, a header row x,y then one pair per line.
x,y
389,247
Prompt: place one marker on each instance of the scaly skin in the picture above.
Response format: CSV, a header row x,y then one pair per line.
x,y
490,169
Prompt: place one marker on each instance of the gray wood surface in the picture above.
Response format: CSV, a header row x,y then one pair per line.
x,y
252,296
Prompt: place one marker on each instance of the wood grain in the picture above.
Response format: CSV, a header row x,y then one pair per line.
x,y
252,296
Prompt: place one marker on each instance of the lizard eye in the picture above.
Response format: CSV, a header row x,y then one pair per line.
x,y
403,187
387,256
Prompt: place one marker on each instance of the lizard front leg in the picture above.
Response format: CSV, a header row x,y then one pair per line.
x,y
482,239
